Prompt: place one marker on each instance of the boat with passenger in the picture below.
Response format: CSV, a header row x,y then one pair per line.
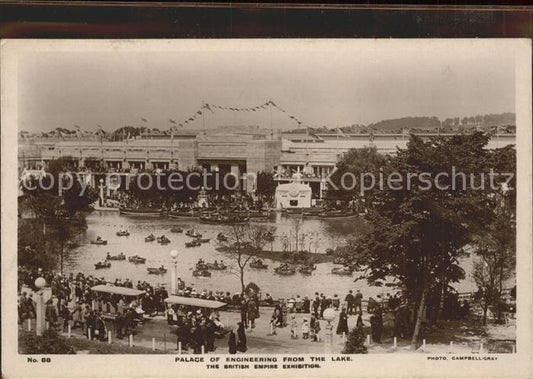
x,y
156,270
258,263
118,257
216,265
163,240
99,241
150,238
285,269
104,264
136,259
176,229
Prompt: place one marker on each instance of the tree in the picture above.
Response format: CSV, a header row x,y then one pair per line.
x,y
355,342
60,204
418,234
265,185
243,244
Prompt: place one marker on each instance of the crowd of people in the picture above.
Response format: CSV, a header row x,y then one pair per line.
x,y
73,302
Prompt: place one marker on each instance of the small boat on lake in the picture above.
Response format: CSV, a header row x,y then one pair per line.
x,y
203,240
156,270
216,266
99,241
193,243
163,240
100,265
221,237
123,233
193,233
258,263
137,259
119,257
201,273
175,229
285,269
150,238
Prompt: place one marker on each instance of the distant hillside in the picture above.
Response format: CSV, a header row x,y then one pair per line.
x,y
505,122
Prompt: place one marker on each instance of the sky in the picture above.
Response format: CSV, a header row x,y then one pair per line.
x,y
319,83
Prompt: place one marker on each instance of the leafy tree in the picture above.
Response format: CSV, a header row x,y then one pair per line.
x,y
351,169
266,185
418,234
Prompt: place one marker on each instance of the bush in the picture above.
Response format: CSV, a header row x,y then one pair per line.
x,y
49,343
355,343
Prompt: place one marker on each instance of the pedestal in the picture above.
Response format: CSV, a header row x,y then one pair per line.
x,y
328,338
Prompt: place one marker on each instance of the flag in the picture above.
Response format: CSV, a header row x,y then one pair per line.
x,y
171,121
340,132
206,106
143,119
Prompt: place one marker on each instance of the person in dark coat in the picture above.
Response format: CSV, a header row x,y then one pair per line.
x,y
232,343
241,338
210,335
359,324
119,326
343,322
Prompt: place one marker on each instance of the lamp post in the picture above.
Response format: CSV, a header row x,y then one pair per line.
x,y
101,192
40,283
329,315
174,272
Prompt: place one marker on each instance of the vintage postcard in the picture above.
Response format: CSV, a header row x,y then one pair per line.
x,y
266,208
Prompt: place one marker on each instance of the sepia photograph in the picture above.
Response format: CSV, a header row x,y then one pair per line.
x,y
267,201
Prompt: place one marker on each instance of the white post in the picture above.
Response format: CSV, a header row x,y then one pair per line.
x,y
89,333
179,348
153,343
109,337
29,325
40,319
131,340
480,347
46,325
514,348
451,346
395,345
203,349
423,344
368,340
328,338
271,329
343,336
173,277
69,330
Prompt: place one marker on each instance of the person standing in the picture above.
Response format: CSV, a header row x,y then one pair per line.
x,y
244,313
342,326
252,313
232,343
241,338
358,301
350,302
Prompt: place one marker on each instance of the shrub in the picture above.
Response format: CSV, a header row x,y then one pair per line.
x,y
355,343
49,343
